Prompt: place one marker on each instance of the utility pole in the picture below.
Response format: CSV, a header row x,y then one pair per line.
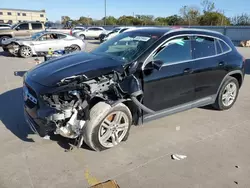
x,y
105,9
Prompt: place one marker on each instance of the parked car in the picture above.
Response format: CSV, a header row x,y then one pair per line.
x,y
97,96
91,32
77,29
5,26
23,29
113,33
41,42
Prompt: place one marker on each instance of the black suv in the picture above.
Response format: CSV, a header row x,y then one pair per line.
x,y
135,77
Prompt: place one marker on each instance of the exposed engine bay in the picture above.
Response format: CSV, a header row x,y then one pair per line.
x,y
72,101
71,106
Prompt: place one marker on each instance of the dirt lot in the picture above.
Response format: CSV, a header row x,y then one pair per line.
x,y
215,143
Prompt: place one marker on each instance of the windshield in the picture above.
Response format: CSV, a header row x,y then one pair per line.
x,y
36,35
126,46
13,26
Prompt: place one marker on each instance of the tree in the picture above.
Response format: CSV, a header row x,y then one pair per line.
x,y
110,20
208,6
214,18
161,21
190,15
146,19
65,19
174,20
243,19
85,20
126,20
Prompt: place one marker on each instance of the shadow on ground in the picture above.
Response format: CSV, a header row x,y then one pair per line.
x,y
247,66
93,42
11,114
6,54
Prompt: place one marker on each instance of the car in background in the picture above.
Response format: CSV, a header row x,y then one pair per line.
x,y
115,32
22,29
5,26
96,97
91,32
42,42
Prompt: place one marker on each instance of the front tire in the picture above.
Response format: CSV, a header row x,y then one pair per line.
x,y
228,94
25,51
75,48
108,126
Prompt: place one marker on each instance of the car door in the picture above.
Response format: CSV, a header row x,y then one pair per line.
x,y
45,42
209,65
22,30
173,84
36,27
90,32
98,32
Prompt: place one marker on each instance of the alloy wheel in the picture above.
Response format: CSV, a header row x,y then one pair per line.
x,y
113,129
229,94
26,51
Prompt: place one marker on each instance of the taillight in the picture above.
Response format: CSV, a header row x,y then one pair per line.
x,y
70,32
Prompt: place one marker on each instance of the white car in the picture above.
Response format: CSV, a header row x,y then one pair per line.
x,y
42,43
77,29
115,32
91,32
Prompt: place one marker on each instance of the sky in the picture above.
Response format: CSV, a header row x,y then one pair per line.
x,y
95,8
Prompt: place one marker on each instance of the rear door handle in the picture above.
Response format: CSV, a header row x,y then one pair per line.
x,y
187,70
222,63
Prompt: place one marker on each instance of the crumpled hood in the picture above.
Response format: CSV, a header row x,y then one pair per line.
x,y
53,71
18,40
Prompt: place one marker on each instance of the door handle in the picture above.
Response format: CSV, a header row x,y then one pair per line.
x,y
187,70
222,63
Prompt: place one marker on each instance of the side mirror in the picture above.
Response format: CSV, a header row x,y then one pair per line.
x,y
154,65
132,68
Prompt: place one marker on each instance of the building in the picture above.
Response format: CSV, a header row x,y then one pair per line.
x,y
13,16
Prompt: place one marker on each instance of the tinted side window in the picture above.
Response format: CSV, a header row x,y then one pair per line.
x,y
60,36
24,26
91,29
176,50
203,47
224,47
218,47
36,26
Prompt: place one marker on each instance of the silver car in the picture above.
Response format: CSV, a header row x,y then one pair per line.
x,y
41,43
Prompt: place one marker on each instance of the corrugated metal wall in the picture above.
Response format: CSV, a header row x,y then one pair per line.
x,y
235,33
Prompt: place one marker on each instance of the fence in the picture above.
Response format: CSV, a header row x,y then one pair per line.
x,y
235,33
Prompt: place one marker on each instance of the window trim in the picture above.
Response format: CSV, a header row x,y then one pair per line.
x,y
179,62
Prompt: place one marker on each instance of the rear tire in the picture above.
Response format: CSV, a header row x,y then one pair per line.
x,y
25,51
228,94
3,38
101,136
75,48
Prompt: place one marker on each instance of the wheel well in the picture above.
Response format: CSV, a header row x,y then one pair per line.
x,y
132,107
6,36
238,77
134,111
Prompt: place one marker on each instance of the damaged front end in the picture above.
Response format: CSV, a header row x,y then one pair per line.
x,y
65,109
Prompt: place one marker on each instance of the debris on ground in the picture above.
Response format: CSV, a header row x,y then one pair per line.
x,y
237,166
107,184
236,182
178,157
178,128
